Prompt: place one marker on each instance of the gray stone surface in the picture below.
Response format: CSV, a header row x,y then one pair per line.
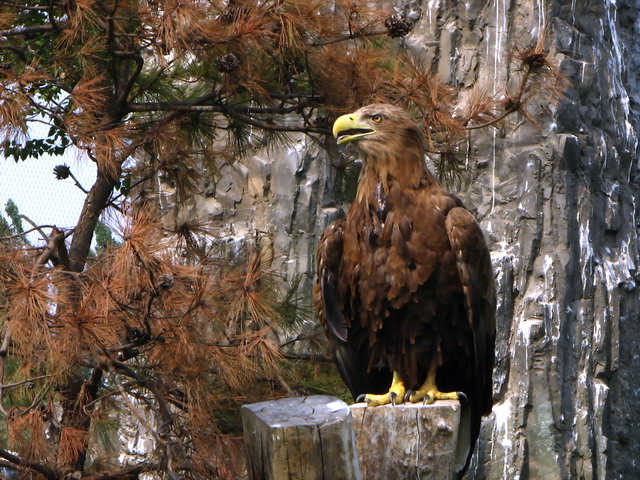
x,y
558,203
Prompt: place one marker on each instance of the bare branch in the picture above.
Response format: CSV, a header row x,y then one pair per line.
x,y
77,182
54,245
133,472
24,31
35,226
300,338
4,350
164,413
308,357
491,123
196,106
269,125
26,232
29,380
123,92
61,248
15,50
351,36
134,411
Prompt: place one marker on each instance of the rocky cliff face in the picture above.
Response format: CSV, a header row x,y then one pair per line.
x,y
558,203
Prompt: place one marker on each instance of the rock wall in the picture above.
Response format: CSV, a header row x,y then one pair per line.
x,y
558,203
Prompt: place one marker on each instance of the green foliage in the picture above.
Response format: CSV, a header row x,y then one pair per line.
x,y
5,227
104,238
55,145
14,214
104,434
294,308
315,378
124,186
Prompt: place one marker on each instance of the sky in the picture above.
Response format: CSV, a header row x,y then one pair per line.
x,y
34,188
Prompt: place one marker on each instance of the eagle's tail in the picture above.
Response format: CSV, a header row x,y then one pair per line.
x,y
468,432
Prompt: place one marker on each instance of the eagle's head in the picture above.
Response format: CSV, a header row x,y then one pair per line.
x,y
378,128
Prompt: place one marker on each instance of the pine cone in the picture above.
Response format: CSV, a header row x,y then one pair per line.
x,y
398,26
165,281
61,172
228,63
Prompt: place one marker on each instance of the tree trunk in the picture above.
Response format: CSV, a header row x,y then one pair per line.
x,y
410,441
558,204
93,207
300,438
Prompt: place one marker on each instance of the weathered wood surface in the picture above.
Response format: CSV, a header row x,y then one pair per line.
x,y
407,442
309,438
302,438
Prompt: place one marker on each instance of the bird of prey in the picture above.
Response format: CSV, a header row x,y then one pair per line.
x,y
405,287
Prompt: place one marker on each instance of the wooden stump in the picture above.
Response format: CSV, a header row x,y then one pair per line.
x,y
304,438
408,442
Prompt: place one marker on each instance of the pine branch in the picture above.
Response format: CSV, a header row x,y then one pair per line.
x,y
43,470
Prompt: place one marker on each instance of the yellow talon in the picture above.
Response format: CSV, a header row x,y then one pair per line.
x,y
394,395
429,391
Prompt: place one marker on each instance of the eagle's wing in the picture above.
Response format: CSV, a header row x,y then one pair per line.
x,y
476,274
327,301
352,360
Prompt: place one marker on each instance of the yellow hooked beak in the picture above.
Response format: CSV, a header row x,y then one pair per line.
x,y
348,129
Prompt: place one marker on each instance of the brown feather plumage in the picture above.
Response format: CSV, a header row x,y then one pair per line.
x,y
406,279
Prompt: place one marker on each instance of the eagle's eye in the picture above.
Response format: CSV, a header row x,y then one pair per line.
x,y
377,118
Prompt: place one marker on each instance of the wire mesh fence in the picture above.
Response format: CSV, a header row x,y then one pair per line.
x,y
40,198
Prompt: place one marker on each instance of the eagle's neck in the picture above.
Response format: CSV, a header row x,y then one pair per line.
x,y
408,171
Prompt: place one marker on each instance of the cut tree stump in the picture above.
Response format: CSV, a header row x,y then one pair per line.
x,y
408,441
313,438
304,438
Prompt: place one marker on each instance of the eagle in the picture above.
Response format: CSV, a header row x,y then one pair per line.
x,y
405,288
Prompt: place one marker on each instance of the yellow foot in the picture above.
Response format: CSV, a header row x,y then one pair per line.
x,y
429,393
393,396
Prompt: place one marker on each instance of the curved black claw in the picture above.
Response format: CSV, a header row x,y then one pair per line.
x,y
427,400
361,398
462,397
408,395
392,397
